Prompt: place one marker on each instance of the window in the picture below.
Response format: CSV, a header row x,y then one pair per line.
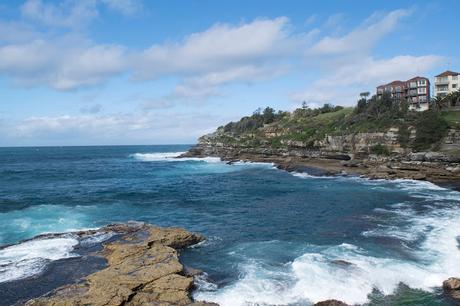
x,y
422,82
441,79
422,90
455,77
454,85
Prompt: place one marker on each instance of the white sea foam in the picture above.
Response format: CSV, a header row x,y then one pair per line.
x,y
97,238
315,276
31,257
305,175
172,156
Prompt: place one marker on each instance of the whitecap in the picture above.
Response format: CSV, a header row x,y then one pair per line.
x,y
305,175
172,156
31,257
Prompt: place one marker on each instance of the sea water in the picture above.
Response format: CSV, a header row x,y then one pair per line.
x,y
273,237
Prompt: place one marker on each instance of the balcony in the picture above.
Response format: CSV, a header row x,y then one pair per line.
x,y
442,88
441,81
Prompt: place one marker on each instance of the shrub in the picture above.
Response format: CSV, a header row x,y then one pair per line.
x,y
431,128
380,149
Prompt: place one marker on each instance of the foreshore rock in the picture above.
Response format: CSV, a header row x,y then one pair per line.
x,y
430,166
143,268
452,287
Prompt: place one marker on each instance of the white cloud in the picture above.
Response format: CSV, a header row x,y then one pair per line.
x,y
219,48
348,67
15,32
125,7
249,52
207,84
359,40
63,64
342,85
204,62
73,13
62,14
147,128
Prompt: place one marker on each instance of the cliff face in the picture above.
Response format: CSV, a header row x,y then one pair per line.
x,y
383,146
372,154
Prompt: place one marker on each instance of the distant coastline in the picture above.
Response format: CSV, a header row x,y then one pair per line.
x,y
380,139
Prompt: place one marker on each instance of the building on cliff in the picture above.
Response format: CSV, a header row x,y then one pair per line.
x,y
415,91
446,83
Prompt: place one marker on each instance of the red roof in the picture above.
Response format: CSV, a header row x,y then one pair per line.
x,y
394,83
447,73
417,78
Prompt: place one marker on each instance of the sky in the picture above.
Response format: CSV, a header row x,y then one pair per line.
x,y
106,72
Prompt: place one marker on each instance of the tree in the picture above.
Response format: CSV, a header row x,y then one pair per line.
x,y
364,95
268,115
439,103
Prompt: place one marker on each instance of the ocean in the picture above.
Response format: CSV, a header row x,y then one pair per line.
x,y
273,237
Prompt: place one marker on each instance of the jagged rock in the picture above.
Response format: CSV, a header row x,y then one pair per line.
x,y
331,303
143,268
452,287
342,263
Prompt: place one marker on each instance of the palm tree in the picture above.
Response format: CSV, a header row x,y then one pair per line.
x,y
440,103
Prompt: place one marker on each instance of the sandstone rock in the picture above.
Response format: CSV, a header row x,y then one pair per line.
x,y
143,269
452,283
331,303
452,287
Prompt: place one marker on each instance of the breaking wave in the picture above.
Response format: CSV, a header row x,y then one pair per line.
x,y
172,156
350,273
31,257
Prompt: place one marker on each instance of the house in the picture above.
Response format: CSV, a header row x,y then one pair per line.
x,y
446,83
415,91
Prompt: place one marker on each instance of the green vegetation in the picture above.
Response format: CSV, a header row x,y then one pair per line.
x,y
380,149
308,126
452,117
431,127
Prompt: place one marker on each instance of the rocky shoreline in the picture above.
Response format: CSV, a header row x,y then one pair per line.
x,y
142,267
430,166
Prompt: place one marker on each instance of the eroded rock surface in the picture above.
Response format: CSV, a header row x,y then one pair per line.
x,y
143,268
452,287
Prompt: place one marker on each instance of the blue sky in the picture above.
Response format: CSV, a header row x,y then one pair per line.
x,y
88,72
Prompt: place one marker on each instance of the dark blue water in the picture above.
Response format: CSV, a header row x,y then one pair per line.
x,y
273,237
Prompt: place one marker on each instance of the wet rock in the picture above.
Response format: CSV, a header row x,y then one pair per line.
x,y
143,268
452,287
189,271
341,263
331,303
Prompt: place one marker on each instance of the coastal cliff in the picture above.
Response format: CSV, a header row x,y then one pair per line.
x,y
423,146
142,268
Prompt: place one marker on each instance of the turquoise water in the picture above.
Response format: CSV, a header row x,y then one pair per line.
x,y
274,238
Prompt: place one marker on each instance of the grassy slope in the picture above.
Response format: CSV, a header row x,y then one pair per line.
x,y
307,128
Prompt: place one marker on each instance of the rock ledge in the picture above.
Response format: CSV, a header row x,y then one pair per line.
x,y
143,268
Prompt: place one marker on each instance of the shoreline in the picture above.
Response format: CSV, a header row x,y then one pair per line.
x,y
433,172
130,263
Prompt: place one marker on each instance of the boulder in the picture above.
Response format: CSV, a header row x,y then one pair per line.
x,y
452,287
